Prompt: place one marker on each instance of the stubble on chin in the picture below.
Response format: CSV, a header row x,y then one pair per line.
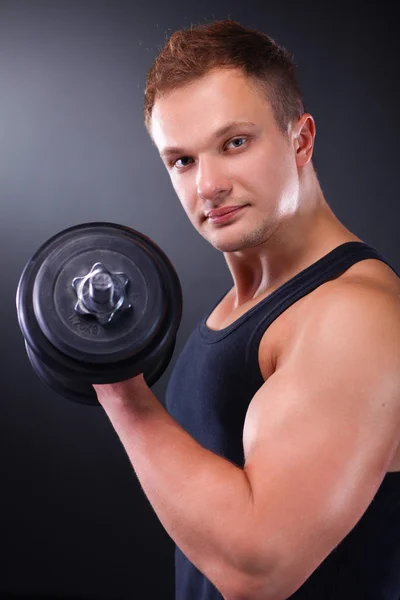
x,y
249,239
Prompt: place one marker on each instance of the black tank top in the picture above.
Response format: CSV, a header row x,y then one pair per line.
x,y
210,388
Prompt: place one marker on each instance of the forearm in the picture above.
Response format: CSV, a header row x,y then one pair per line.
x,y
203,501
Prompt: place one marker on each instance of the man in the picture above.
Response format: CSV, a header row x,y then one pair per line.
x,y
276,467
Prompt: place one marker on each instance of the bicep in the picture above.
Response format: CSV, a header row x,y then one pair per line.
x,y
320,433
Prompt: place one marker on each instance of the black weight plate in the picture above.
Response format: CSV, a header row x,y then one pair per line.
x,y
172,299
68,368
54,298
83,393
147,361
154,372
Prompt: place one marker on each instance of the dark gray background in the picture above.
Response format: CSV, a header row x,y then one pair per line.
x,y
73,148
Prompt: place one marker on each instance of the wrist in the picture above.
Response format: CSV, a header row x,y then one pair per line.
x,y
130,396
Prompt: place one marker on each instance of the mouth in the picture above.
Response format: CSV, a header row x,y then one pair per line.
x,y
227,216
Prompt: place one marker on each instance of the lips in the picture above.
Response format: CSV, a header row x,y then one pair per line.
x,y
219,212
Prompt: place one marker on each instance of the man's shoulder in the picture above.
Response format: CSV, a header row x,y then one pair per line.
x,y
373,286
370,294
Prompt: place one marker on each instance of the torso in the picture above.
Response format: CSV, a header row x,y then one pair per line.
x,y
281,333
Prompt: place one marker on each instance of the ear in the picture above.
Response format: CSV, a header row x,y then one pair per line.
x,y
303,139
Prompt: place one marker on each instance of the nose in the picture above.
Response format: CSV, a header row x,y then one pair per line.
x,y
211,179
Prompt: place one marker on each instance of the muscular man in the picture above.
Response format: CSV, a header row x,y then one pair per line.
x,y
275,468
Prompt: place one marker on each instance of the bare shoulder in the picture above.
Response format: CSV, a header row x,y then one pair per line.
x,y
370,286
373,289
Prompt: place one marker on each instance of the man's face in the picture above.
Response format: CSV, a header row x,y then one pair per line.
x,y
252,165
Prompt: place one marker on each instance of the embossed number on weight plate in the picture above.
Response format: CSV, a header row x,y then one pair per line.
x,y
83,326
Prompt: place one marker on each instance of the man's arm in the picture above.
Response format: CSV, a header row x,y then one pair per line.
x,y
321,432
318,439
202,500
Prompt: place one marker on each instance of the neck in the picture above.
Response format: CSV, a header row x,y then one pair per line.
x,y
294,244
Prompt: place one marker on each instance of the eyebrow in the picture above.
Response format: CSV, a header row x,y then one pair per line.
x,y
221,132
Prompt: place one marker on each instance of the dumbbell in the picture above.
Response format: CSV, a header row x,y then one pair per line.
x,y
98,303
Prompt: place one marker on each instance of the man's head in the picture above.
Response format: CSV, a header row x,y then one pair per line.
x,y
205,79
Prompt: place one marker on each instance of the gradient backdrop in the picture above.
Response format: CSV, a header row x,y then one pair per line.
x,y
74,521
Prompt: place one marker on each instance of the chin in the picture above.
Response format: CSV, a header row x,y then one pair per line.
x,y
229,245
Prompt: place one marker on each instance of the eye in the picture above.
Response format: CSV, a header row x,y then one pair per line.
x,y
238,139
183,159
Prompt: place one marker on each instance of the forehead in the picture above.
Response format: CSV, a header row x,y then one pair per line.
x,y
196,110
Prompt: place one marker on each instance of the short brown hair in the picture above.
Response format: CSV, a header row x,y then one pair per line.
x,y
192,53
